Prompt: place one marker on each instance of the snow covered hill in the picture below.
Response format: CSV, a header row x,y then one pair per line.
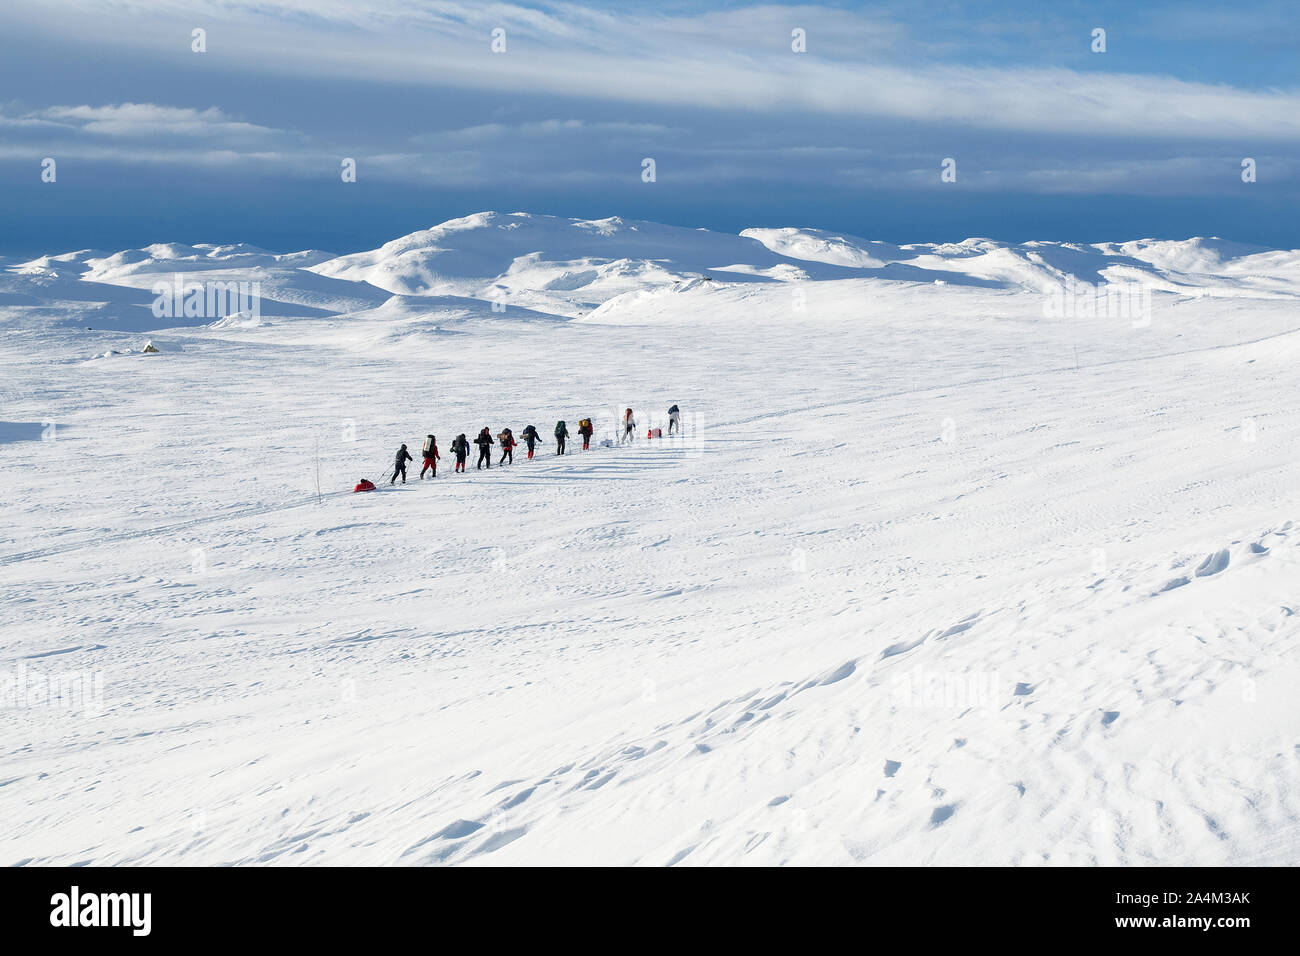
x,y
567,265
571,267
937,574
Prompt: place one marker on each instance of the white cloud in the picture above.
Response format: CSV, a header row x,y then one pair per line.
x,y
540,129
736,60
571,152
150,119
150,134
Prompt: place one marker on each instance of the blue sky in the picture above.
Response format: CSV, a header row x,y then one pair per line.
x,y
155,142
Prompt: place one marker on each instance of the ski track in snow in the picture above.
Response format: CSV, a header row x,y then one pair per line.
x,y
914,588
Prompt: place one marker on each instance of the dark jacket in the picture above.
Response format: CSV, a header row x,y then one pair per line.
x,y
484,439
403,456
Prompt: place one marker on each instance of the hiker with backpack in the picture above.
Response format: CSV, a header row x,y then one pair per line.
x,y
585,430
561,433
485,443
460,448
674,419
531,438
403,456
629,427
507,440
431,457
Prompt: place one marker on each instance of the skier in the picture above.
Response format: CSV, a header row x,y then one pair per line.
x,y
561,433
531,438
485,443
403,456
460,448
507,440
585,430
629,427
431,457
674,419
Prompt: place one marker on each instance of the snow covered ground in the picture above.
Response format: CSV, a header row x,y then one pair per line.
x,y
938,574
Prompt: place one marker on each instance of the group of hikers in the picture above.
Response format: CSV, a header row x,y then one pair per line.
x,y
460,445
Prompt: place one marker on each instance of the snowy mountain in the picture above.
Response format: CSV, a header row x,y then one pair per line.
x,y
546,261
567,265
571,267
940,571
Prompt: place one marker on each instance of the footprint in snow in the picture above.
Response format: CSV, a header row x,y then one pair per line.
x,y
497,840
1213,826
517,799
505,783
841,672
941,814
680,855
458,830
891,767
1213,563
455,831
902,647
965,624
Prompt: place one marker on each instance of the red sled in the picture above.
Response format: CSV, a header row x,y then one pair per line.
x,y
655,433
365,484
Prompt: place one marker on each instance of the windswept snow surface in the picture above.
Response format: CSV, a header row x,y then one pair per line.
x,y
933,577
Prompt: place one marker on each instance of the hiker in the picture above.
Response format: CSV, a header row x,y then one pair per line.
x,y
485,443
403,456
629,427
431,457
561,433
507,440
674,419
531,438
585,430
460,448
